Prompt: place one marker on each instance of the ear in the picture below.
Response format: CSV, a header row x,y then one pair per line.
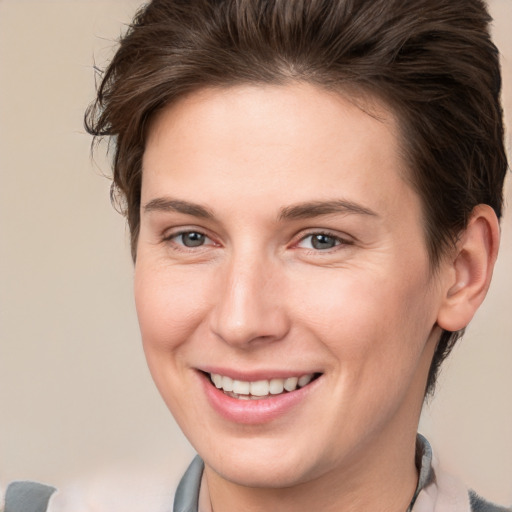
x,y
470,269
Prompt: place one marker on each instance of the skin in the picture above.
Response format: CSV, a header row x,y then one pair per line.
x,y
248,167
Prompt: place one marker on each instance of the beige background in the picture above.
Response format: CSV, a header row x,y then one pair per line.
x,y
75,395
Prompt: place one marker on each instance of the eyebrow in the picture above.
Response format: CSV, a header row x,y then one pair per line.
x,y
318,208
305,210
163,204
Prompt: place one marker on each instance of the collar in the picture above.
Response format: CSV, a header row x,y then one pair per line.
x,y
437,491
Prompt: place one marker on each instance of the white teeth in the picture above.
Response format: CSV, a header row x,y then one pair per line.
x,y
290,384
240,387
227,383
304,380
276,386
217,380
261,388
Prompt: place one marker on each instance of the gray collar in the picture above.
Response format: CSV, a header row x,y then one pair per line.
x,y
187,494
424,465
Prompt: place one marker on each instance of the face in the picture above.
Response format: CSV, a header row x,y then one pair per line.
x,y
282,282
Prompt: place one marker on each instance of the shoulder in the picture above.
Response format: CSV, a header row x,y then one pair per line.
x,y
115,489
478,504
27,497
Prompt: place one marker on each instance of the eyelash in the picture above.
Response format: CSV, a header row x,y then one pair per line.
x,y
339,242
172,240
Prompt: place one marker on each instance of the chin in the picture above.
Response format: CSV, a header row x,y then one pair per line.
x,y
259,463
269,474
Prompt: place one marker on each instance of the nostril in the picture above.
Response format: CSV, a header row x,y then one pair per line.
x,y
249,305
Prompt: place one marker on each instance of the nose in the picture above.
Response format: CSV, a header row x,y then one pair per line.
x,y
250,307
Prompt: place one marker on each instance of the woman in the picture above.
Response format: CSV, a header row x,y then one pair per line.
x,y
313,192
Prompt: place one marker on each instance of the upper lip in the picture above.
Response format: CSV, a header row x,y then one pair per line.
x,y
255,375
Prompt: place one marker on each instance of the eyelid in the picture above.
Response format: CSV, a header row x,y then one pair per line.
x,y
170,236
341,239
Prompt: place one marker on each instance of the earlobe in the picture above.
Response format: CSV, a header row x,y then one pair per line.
x,y
470,271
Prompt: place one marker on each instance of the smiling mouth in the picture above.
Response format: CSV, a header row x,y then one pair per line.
x,y
260,389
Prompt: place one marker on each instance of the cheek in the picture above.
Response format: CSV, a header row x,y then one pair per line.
x,y
170,305
370,320
376,330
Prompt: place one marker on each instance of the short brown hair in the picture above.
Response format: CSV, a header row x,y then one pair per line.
x,y
431,61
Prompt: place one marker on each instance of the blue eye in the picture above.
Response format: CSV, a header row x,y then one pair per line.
x,y
190,239
320,241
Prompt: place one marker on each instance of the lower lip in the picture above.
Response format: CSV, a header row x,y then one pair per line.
x,y
253,412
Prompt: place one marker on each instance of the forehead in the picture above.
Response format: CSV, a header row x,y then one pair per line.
x,y
283,143
267,114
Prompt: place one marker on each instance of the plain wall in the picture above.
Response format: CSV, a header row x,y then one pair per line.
x,y
75,394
